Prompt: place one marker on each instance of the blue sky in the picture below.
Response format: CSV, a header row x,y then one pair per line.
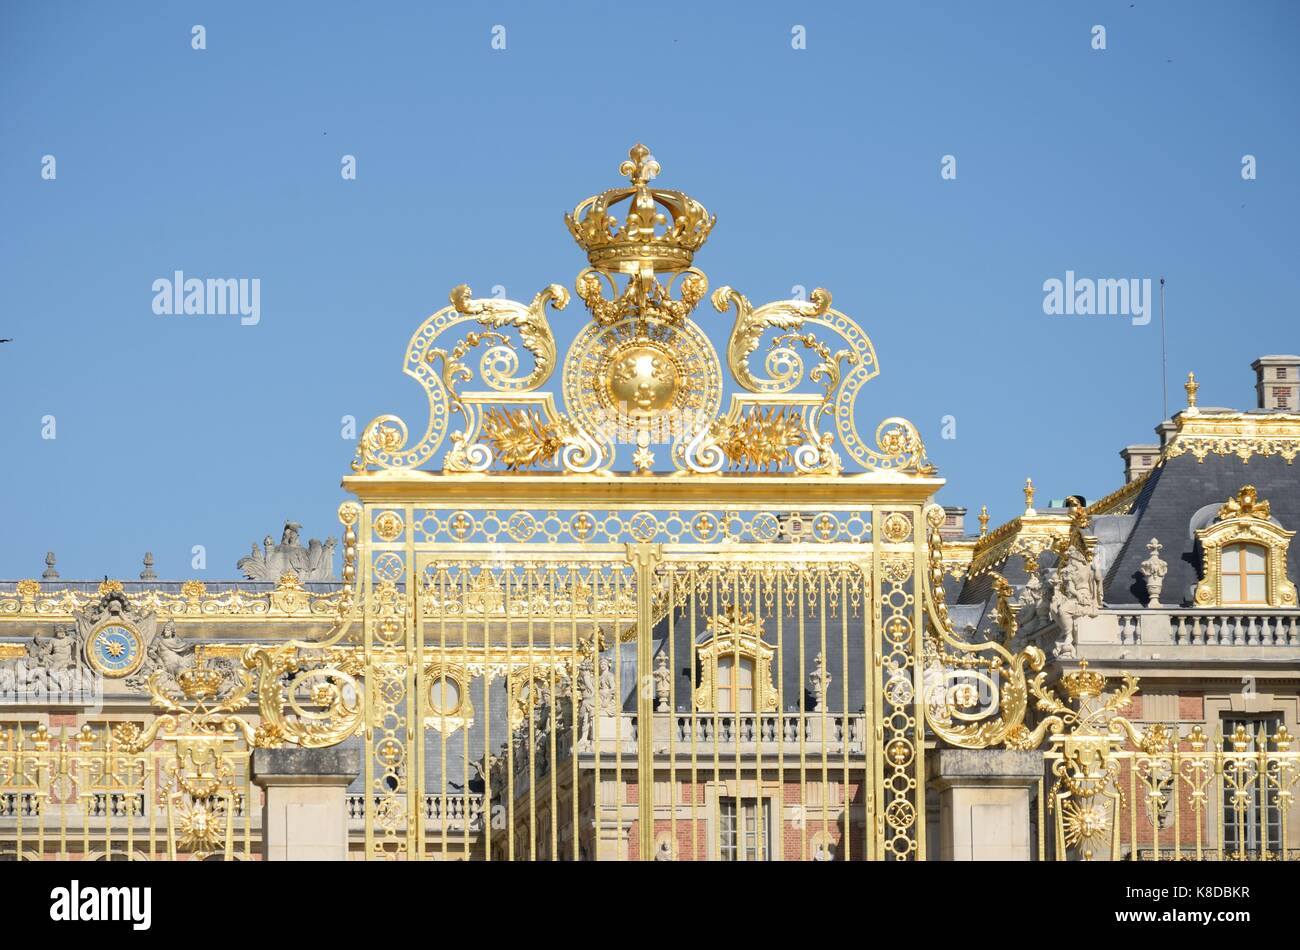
x,y
822,165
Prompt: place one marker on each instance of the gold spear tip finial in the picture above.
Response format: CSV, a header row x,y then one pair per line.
x,y
1191,386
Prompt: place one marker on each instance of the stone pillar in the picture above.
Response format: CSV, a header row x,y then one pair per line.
x,y
985,797
304,807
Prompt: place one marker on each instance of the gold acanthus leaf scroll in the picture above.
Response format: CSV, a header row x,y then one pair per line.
x,y
784,365
986,661
386,443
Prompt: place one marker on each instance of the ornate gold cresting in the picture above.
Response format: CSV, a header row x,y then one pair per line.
x,y
642,372
1246,435
1245,519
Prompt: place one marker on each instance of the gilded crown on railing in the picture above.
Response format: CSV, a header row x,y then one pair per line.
x,y
199,682
1083,683
662,231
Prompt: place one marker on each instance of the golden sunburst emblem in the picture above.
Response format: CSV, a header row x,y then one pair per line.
x,y
1084,822
200,830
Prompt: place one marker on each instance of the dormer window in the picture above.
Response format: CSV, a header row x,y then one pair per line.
x,y
1245,553
735,666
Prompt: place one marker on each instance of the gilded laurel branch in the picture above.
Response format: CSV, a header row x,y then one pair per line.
x,y
521,438
763,439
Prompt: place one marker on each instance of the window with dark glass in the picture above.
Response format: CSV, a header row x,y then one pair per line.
x,y
1252,817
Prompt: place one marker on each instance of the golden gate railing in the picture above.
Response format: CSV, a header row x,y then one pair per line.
x,y
94,794
668,700
1123,794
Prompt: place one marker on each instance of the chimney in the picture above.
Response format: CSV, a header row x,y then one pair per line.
x,y
1138,460
1276,379
954,523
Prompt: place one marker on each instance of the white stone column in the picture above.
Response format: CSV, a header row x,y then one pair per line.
x,y
985,797
304,806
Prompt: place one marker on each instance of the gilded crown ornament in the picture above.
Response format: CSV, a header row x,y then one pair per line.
x,y
1083,683
642,381
199,682
661,232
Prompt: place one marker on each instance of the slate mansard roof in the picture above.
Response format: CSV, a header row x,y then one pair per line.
x,y
1183,494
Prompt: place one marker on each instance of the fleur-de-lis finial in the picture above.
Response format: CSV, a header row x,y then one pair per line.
x,y
1191,386
640,165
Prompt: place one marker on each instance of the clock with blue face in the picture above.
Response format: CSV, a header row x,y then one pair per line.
x,y
115,649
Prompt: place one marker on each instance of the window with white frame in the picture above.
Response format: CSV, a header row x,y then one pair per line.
x,y
1243,573
744,828
735,683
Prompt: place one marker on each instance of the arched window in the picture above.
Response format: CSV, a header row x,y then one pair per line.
x,y
1244,574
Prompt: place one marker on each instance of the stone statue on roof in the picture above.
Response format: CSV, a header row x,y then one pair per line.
x,y
1077,593
315,562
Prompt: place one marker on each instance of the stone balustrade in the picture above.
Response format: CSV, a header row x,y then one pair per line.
x,y
1193,627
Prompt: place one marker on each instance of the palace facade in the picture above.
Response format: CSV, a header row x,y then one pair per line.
x,y
595,610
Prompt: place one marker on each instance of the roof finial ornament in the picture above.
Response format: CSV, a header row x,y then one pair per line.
x,y
984,520
51,573
1191,386
148,574
1153,570
1029,497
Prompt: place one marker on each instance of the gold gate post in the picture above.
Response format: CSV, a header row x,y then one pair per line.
x,y
645,557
